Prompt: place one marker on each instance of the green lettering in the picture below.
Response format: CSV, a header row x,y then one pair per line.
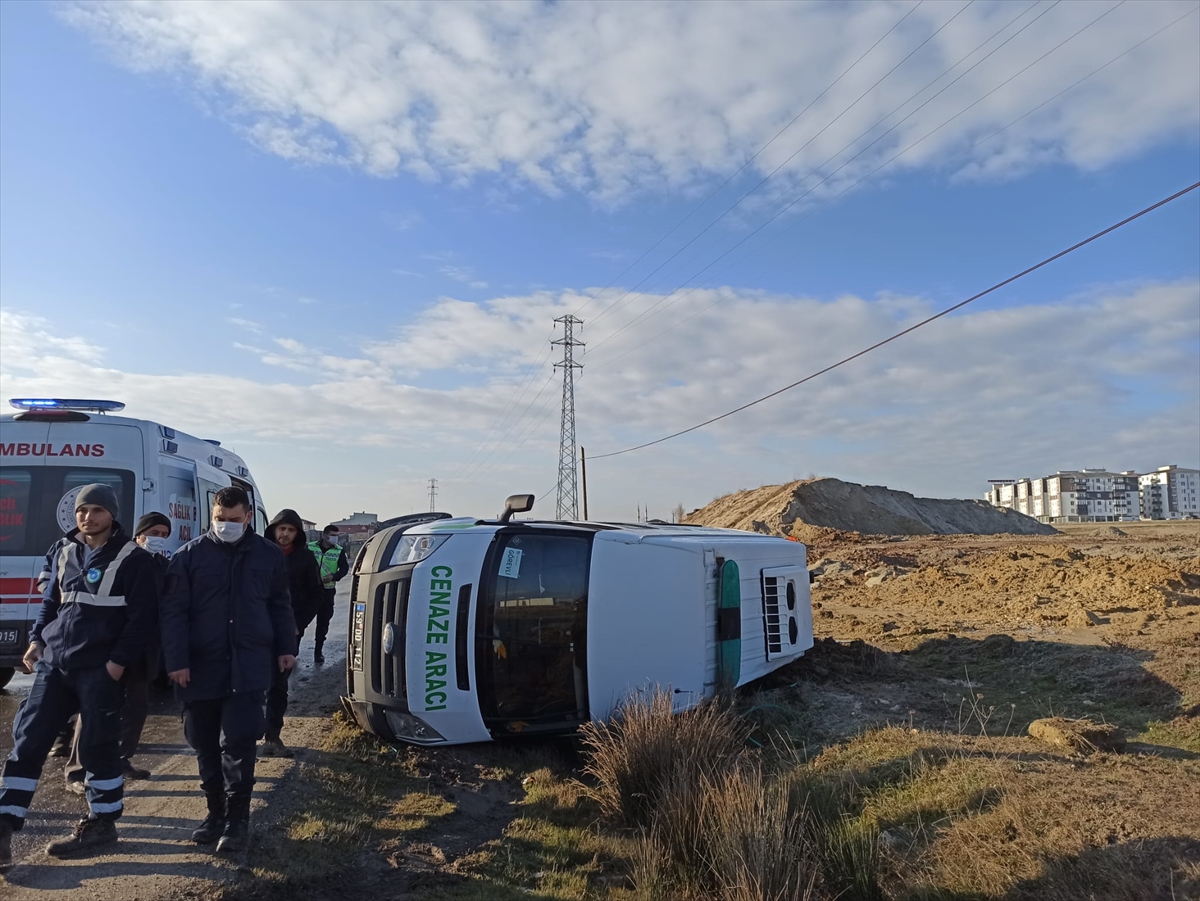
x,y
441,585
438,611
439,597
434,657
438,669
436,638
433,685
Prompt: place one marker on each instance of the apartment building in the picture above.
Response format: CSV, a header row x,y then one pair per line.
x,y
1085,495
1170,492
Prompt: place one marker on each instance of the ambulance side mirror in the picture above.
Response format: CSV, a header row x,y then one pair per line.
x,y
516,503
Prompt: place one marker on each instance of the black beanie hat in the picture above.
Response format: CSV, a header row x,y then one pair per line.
x,y
149,521
99,494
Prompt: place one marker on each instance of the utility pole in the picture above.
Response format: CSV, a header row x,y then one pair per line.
x,y
568,473
432,495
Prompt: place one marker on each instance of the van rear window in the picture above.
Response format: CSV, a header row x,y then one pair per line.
x,y
15,487
37,504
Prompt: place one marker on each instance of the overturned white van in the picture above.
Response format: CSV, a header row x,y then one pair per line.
x,y
52,448
465,630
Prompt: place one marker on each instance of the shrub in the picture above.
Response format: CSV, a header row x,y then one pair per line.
x,y
647,754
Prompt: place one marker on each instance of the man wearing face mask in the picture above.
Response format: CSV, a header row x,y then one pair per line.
x,y
304,585
151,534
99,604
227,627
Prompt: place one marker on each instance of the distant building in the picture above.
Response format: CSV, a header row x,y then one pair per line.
x,y
1170,493
357,524
1085,495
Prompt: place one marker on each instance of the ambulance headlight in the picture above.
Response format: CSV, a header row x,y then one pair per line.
x,y
413,548
408,728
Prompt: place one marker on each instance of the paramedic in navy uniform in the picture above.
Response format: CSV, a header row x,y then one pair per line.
x,y
99,608
227,627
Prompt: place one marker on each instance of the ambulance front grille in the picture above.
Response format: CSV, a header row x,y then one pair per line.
x,y
772,619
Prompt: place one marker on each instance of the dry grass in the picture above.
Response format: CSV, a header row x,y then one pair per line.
x,y
646,753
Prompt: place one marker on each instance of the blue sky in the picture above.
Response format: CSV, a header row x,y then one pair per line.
x,y
345,264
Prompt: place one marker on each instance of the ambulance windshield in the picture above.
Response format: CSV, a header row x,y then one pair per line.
x,y
531,634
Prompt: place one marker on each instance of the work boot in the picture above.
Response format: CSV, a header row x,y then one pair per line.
x,y
214,824
129,771
236,835
273,746
76,787
318,657
6,831
90,834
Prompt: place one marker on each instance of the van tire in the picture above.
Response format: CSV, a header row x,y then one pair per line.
x,y
6,673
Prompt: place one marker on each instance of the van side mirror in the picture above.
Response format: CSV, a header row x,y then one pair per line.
x,y
516,503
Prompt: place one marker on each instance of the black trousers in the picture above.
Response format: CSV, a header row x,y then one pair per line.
x,y
55,696
224,732
133,720
325,615
277,702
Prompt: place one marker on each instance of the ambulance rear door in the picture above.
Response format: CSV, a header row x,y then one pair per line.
x,y
20,551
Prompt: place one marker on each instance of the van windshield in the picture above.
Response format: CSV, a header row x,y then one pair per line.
x,y
530,650
37,504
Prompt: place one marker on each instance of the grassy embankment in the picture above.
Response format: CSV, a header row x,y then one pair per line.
x,y
797,791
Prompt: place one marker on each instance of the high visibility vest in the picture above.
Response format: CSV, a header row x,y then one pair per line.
x,y
326,559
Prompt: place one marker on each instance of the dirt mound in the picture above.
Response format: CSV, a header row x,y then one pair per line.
x,y
830,504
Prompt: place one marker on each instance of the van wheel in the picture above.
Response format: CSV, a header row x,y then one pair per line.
x,y
6,673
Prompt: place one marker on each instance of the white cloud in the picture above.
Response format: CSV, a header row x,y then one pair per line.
x,y
611,99
464,274
246,324
1108,378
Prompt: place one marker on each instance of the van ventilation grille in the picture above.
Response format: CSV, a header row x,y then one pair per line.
x,y
771,616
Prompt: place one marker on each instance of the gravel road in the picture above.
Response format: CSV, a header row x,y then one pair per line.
x,y
155,858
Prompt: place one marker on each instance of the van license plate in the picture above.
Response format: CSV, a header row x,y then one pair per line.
x,y
8,636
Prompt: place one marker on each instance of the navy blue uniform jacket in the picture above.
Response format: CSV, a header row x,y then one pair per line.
x,y
226,615
97,605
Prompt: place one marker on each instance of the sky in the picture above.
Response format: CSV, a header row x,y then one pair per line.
x,y
336,236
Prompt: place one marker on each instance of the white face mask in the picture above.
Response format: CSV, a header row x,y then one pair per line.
x,y
229,532
156,544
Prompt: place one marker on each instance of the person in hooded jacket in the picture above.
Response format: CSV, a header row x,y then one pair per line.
x,y
307,592
99,607
227,627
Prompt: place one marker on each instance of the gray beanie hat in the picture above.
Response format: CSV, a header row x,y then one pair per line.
x,y
99,494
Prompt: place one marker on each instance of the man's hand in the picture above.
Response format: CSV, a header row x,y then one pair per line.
x,y
181,677
286,662
115,670
32,655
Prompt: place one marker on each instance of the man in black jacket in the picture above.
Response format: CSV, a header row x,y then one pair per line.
x,y
227,627
304,585
99,605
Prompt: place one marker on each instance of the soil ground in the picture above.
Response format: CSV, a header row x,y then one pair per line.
x,y
934,654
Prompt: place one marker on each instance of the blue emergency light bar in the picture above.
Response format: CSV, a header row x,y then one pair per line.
x,y
57,403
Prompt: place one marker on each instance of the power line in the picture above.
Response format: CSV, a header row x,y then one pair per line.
x,y
767,178
666,299
872,173
742,167
912,328
513,428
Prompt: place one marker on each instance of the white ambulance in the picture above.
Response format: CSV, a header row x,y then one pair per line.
x,y
465,630
52,448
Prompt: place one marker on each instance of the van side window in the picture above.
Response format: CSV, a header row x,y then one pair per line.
x,y
179,491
